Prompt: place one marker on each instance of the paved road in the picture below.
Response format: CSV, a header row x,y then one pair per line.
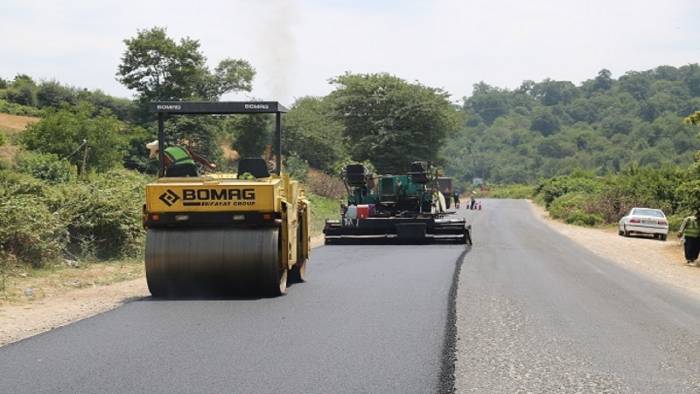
x,y
370,319
537,313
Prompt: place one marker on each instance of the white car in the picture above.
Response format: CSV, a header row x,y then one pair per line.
x,y
644,221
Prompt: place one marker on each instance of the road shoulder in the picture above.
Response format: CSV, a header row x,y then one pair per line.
x,y
659,261
23,320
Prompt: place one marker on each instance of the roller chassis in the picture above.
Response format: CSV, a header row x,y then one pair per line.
x,y
220,234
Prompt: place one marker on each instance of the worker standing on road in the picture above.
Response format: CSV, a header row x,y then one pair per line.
x,y
179,161
455,196
690,231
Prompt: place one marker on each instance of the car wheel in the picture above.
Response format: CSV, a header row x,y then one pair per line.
x,y
625,232
620,232
663,237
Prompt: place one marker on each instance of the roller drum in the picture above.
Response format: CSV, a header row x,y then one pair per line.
x,y
221,261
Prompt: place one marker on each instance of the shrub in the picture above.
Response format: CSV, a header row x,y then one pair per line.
x,y
63,133
296,167
583,219
46,166
104,211
14,183
325,185
17,109
558,186
511,191
29,232
565,205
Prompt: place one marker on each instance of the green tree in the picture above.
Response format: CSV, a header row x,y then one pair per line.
x,y
253,134
53,94
391,122
159,68
22,91
313,134
63,132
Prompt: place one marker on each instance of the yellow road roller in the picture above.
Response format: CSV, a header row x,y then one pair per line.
x,y
225,234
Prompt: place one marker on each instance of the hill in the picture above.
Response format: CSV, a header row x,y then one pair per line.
x,y
549,128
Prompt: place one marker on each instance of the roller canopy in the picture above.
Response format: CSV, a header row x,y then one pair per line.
x,y
218,107
163,108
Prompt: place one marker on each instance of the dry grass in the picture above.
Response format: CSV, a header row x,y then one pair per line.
x,y
13,124
25,285
325,185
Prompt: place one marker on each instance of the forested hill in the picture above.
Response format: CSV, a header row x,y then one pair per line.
x,y
548,128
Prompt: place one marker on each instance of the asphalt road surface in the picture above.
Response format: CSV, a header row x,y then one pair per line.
x,y
534,313
369,319
537,313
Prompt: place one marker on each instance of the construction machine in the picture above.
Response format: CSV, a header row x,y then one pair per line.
x,y
400,208
225,234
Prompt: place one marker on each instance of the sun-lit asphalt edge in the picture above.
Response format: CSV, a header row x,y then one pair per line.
x,y
446,384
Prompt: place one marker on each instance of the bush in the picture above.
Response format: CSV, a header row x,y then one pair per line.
x,y
29,232
583,219
565,205
3,139
325,185
17,109
576,208
296,167
556,187
104,212
46,166
511,191
63,133
675,220
14,183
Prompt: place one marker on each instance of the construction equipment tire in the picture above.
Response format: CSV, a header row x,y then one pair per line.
x,y
221,262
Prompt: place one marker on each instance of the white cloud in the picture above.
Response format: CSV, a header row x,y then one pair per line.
x,y
298,46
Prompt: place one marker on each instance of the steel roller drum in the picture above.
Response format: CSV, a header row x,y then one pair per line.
x,y
202,262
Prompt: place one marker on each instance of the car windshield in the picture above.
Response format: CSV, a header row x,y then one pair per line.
x,y
648,212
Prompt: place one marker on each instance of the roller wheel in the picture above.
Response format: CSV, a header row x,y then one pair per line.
x,y
220,262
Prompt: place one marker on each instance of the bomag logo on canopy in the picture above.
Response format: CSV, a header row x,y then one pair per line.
x,y
227,197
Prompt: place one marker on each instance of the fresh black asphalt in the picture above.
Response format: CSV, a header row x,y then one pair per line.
x,y
533,312
371,318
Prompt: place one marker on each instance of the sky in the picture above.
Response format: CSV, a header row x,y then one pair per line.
x,y
298,46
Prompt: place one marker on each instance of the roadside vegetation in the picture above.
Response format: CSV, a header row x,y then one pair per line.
x,y
71,183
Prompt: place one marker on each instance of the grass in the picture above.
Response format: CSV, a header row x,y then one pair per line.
x,y
511,191
322,208
59,278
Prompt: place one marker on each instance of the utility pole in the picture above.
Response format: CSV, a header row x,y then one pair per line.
x,y
85,156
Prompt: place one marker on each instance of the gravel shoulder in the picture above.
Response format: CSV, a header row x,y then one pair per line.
x,y
55,305
659,261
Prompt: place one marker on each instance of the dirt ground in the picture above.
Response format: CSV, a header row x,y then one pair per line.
x,y
660,261
68,295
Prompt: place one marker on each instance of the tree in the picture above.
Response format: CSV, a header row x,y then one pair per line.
x,y
22,91
253,134
545,122
159,68
312,134
53,94
62,132
488,102
391,122
603,81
